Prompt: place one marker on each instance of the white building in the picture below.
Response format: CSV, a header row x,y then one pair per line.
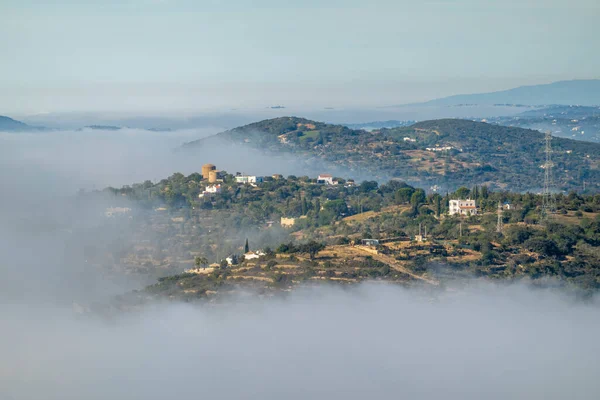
x,y
248,179
327,179
116,211
445,148
408,139
463,207
210,190
254,255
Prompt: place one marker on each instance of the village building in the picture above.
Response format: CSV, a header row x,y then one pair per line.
x,y
254,255
242,179
445,148
463,207
369,242
116,211
210,190
326,179
288,222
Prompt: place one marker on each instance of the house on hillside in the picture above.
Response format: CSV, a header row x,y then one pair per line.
x,y
116,211
463,207
287,222
254,255
444,148
210,190
369,242
326,179
242,179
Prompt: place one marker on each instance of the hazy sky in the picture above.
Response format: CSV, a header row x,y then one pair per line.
x,y
180,54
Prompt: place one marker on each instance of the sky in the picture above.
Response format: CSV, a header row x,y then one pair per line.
x,y
137,55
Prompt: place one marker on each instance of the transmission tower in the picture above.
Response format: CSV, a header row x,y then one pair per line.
x,y
548,201
500,224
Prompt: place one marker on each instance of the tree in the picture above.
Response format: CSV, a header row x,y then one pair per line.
x,y
338,207
402,196
200,261
246,247
484,192
312,248
417,198
462,193
368,186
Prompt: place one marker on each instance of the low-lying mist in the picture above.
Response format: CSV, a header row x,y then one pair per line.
x,y
374,341
46,233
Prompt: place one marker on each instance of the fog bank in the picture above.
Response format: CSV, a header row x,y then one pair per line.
x,y
376,341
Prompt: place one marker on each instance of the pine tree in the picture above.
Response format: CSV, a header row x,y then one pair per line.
x,y
246,247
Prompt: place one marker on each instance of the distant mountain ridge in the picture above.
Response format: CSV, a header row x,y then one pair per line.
x,y
585,92
11,125
447,152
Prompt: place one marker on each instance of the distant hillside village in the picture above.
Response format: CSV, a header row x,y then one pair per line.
x,y
212,181
198,223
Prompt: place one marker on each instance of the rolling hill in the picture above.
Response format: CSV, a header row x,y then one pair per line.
x,y
10,125
574,92
448,153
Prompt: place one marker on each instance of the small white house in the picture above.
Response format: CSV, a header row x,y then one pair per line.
x,y
116,211
445,148
463,207
254,255
326,179
409,139
248,179
210,190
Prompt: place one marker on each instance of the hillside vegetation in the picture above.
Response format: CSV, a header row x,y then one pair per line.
x,y
476,153
169,230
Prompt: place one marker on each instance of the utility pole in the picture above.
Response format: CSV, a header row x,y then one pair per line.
x,y
460,230
548,201
500,224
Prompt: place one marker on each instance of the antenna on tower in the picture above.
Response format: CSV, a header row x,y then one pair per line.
x,y
548,201
500,225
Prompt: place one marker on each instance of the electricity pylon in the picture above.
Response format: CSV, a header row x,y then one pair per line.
x,y
548,200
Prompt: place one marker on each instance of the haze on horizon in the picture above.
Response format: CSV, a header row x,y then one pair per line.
x,y
178,55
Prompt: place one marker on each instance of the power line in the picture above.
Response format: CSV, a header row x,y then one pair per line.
x,y
500,224
548,200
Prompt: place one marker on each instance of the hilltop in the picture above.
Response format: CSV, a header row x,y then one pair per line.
x,y
573,122
574,92
11,125
447,152
280,233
